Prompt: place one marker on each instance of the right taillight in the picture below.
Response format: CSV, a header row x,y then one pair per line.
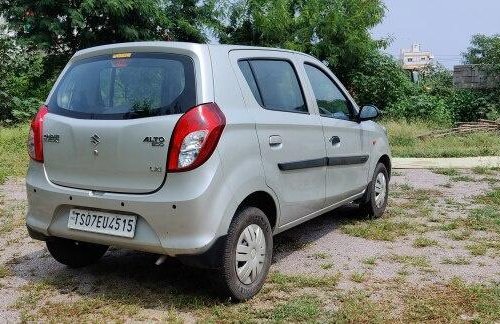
x,y
35,144
195,137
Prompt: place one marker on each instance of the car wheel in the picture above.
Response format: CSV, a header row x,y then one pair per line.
x,y
75,254
377,193
247,254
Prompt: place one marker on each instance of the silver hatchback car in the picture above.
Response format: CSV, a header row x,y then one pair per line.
x,y
199,152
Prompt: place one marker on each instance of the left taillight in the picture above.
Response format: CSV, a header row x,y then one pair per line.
x,y
35,143
195,137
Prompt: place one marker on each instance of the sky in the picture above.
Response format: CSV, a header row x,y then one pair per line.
x,y
444,27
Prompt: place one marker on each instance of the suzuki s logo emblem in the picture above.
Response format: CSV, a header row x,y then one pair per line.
x,y
95,139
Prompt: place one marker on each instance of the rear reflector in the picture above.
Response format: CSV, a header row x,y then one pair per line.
x,y
35,143
195,137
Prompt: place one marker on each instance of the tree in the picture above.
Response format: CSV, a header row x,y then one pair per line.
x,y
20,82
485,50
61,27
334,31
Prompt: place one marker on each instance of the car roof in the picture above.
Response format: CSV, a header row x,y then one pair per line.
x,y
180,45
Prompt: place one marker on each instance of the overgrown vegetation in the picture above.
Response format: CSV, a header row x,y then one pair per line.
x,y
38,37
404,141
13,152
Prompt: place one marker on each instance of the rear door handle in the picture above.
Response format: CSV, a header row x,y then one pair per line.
x,y
334,140
275,140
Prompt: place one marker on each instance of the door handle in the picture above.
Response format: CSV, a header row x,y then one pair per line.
x,y
275,140
334,140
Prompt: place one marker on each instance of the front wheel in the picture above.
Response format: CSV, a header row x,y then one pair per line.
x,y
377,193
247,254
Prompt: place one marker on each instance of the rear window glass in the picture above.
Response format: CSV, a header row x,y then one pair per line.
x,y
274,84
142,85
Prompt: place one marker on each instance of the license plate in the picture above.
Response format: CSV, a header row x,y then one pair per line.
x,y
101,222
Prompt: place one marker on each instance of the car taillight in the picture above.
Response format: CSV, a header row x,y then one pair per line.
x,y
195,137
35,145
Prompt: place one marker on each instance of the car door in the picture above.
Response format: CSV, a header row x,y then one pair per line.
x,y
347,159
290,136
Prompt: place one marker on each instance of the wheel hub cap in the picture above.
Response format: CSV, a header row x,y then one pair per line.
x,y
250,254
380,190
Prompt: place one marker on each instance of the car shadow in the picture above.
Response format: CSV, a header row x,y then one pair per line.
x,y
132,277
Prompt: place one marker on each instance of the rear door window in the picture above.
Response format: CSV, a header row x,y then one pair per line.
x,y
274,84
141,85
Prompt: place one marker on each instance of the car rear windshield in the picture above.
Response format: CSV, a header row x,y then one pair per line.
x,y
125,86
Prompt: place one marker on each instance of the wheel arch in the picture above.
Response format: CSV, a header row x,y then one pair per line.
x,y
264,201
386,160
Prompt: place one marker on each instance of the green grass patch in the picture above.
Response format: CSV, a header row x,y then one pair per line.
x,y
456,261
418,261
423,241
452,303
4,271
404,142
299,309
380,229
463,178
13,153
286,282
477,248
447,171
358,277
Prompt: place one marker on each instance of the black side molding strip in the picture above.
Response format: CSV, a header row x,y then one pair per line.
x,y
306,164
347,160
326,161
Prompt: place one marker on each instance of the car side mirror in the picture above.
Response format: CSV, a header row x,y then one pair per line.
x,y
368,113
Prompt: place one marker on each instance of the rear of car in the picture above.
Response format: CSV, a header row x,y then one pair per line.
x,y
125,143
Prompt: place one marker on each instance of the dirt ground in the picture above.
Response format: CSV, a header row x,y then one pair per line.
x,y
426,240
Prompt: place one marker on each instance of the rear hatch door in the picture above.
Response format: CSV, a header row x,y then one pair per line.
x,y
111,118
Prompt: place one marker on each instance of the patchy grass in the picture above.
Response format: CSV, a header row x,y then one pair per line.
x,y
287,282
460,235
380,229
4,271
423,241
13,154
371,261
358,277
357,307
404,142
447,171
463,178
10,216
320,256
418,261
477,248
453,303
299,309
326,266
459,260
484,170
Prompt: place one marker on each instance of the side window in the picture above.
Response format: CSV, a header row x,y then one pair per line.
x,y
331,101
274,84
247,73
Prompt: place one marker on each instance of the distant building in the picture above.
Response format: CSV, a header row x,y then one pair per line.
x,y
414,59
471,76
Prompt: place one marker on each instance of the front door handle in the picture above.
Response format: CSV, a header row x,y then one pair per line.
x,y
334,140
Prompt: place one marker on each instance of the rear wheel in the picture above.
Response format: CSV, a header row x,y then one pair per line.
x,y
75,254
375,201
246,255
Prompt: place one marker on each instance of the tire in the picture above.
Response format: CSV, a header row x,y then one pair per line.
x,y
75,254
373,204
252,223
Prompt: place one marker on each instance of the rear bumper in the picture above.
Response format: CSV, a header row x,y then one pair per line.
x,y
183,218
